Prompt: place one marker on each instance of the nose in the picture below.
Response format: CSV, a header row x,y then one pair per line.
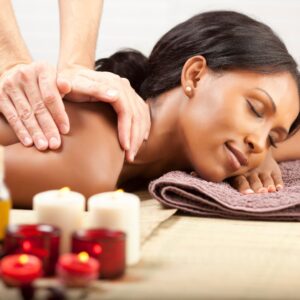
x,y
256,142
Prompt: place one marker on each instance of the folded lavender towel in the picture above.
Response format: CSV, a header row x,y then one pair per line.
x,y
194,195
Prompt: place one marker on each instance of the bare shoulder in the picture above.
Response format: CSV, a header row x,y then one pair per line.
x,y
93,144
7,135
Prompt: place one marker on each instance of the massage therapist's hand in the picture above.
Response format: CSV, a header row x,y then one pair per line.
x,y
133,113
31,102
265,178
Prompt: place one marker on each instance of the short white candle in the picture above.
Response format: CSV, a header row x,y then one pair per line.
x,y
62,208
118,211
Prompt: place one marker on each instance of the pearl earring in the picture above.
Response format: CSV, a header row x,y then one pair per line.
x,y
188,89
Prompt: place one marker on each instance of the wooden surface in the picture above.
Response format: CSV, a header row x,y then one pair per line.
x,y
200,258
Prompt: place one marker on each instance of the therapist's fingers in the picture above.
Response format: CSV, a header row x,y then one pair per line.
x,y
52,99
140,123
133,113
27,117
9,111
36,103
86,89
40,111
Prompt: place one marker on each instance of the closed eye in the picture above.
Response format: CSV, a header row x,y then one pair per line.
x,y
257,114
252,108
272,143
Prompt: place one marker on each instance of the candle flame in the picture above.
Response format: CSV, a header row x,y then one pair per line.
x,y
117,192
65,189
83,257
23,259
63,192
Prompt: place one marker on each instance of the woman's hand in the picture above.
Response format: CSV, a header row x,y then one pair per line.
x,y
133,113
30,101
265,178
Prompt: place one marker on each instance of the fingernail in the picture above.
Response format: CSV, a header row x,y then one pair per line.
x,y
111,93
248,191
54,143
131,156
146,137
271,188
41,143
262,190
127,145
27,141
279,187
64,129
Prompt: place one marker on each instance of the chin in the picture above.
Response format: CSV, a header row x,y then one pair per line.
x,y
213,175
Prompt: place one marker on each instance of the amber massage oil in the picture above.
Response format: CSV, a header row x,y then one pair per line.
x,y
5,202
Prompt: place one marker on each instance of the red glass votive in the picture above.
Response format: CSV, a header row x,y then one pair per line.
x,y
77,270
20,269
40,240
108,246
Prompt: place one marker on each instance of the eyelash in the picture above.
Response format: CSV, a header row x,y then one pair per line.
x,y
260,116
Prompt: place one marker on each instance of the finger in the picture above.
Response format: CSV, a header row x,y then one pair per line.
x,y
124,129
241,184
27,117
41,113
267,181
256,184
134,134
124,110
64,86
91,90
52,98
277,178
148,118
9,112
139,119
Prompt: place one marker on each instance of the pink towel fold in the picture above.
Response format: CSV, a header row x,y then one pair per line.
x,y
194,195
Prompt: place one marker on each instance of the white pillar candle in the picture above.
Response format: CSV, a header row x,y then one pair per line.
x,y
62,208
118,211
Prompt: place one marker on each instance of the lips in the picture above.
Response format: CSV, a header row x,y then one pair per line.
x,y
236,157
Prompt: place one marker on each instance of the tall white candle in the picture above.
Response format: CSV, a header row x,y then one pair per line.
x,y
118,211
62,208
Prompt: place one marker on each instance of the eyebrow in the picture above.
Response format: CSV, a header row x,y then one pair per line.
x,y
274,108
269,97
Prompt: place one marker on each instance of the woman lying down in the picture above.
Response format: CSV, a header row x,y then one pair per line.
x,y
222,90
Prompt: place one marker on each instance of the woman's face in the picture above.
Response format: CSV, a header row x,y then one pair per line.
x,y
231,120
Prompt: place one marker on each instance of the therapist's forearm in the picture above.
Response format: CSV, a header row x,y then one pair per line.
x,y
13,49
289,149
79,26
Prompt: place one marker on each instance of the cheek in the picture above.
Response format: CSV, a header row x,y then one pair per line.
x,y
214,121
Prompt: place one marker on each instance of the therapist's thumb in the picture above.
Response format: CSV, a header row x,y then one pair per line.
x,y
64,86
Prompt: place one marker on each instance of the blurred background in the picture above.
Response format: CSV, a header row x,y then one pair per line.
x,y
140,23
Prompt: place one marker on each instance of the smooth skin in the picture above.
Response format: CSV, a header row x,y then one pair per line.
x,y
190,130
31,92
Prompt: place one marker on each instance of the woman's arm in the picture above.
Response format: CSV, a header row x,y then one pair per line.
x,y
89,162
288,150
267,177
7,135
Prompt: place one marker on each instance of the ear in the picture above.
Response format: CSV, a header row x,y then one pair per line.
x,y
191,73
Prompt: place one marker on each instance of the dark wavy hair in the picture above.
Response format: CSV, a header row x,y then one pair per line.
x,y
228,40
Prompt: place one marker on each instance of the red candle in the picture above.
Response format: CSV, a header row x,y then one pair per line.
x,y
20,269
77,269
107,246
40,240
